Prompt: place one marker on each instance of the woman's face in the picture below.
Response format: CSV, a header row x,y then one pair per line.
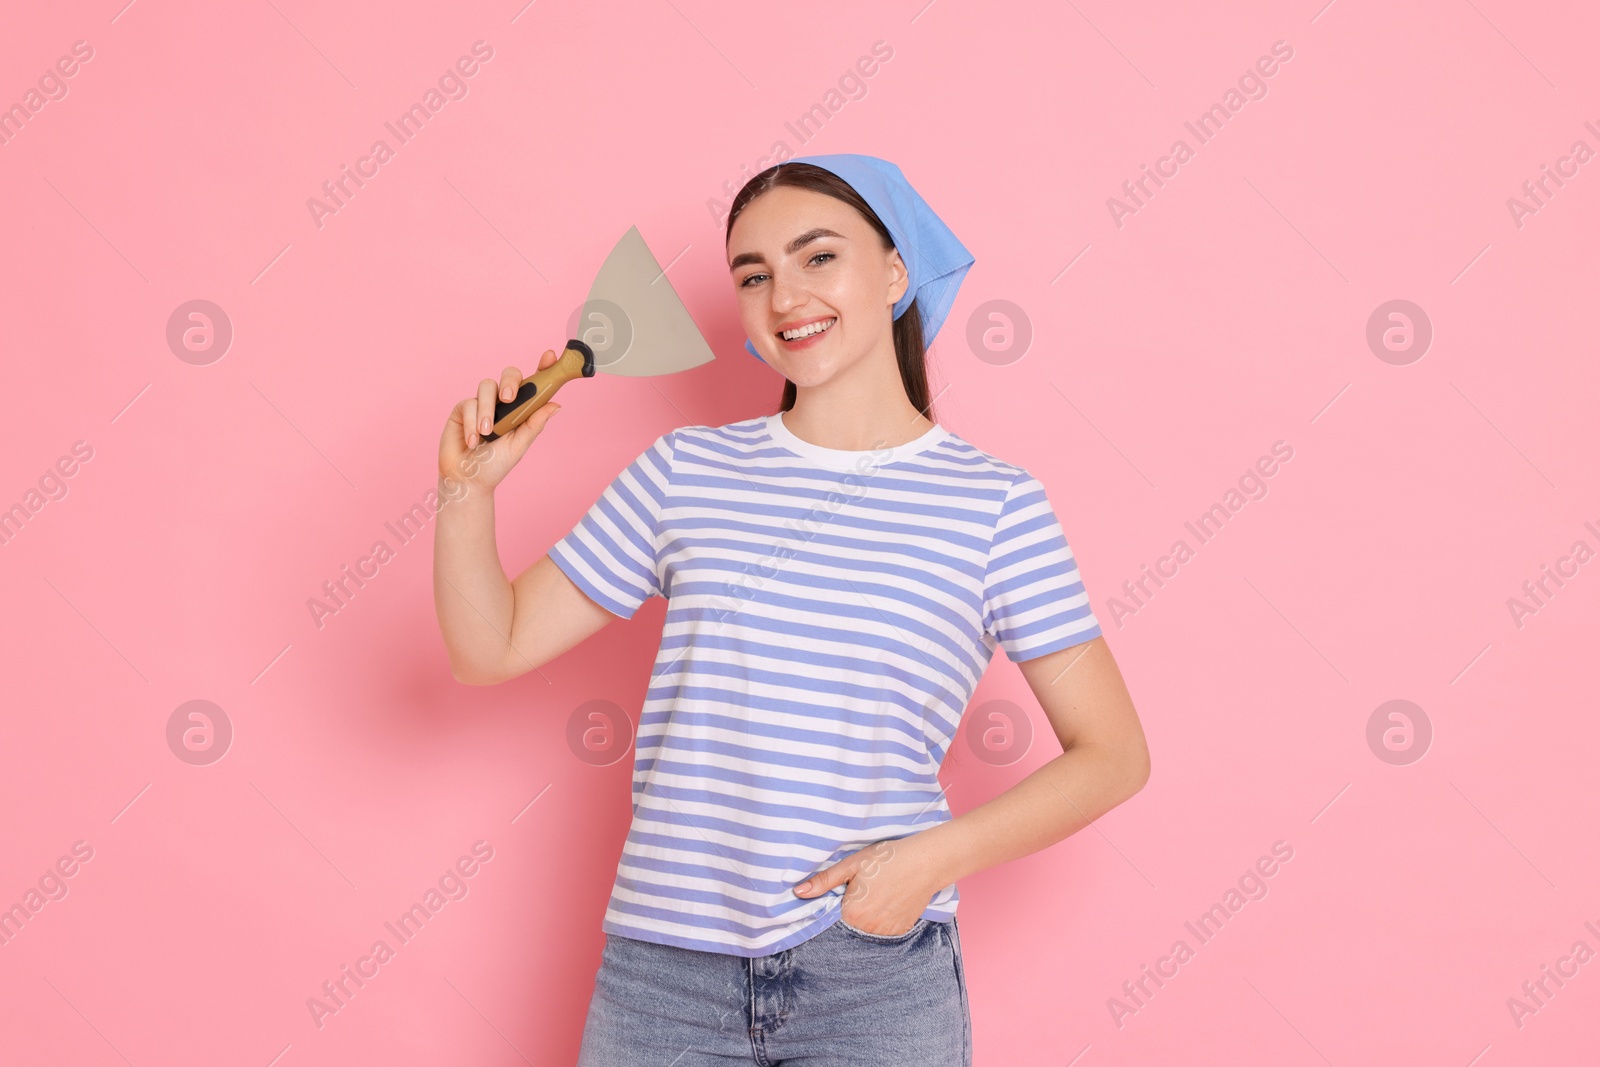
x,y
800,258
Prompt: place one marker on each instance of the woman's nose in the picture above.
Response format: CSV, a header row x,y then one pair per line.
x,y
786,293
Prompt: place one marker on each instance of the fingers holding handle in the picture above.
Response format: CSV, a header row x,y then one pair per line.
x,y
532,393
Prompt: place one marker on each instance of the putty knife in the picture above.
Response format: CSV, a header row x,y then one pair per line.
x,y
632,324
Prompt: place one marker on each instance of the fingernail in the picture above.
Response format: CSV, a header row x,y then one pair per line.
x,y
485,425
803,887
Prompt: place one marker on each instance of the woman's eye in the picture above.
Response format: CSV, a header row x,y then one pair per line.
x,y
752,277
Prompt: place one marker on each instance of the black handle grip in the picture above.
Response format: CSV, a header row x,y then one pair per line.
x,y
576,361
502,408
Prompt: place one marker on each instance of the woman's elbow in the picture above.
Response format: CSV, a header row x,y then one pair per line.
x,y
1138,767
469,673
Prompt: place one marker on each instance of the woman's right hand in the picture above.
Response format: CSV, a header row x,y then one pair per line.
x,y
464,457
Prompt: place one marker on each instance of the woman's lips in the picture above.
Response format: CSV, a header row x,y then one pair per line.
x,y
808,340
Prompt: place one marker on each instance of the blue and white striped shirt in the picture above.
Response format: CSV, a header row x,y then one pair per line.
x,y
829,614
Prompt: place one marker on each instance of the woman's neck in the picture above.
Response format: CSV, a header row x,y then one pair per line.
x,y
855,424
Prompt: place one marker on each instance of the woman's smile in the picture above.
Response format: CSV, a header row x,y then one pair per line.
x,y
807,332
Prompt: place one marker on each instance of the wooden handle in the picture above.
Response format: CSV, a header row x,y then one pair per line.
x,y
577,361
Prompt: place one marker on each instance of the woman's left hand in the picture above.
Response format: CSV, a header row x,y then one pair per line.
x,y
887,887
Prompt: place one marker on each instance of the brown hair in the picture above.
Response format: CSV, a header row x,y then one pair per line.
x,y
909,349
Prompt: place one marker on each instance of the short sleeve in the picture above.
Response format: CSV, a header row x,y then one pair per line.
x,y
611,553
1034,601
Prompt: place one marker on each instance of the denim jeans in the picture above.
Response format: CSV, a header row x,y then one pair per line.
x,y
844,997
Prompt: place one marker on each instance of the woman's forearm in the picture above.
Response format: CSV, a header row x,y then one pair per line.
x,y
471,594
1052,803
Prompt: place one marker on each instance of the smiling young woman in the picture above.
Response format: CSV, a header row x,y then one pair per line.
x,y
811,250
838,574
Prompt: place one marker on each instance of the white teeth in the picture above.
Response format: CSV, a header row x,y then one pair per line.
x,y
807,331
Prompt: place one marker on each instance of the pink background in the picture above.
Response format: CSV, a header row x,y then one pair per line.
x,y
1228,313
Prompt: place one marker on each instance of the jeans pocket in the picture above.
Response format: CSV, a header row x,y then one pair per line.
x,y
885,939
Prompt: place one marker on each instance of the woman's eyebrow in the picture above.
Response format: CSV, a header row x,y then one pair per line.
x,y
790,249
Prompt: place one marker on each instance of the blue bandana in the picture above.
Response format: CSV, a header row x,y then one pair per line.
x,y
934,259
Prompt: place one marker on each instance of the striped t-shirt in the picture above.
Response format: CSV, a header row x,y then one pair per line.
x,y
829,614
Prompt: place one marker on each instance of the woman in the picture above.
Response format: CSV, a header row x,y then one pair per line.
x,y
838,575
